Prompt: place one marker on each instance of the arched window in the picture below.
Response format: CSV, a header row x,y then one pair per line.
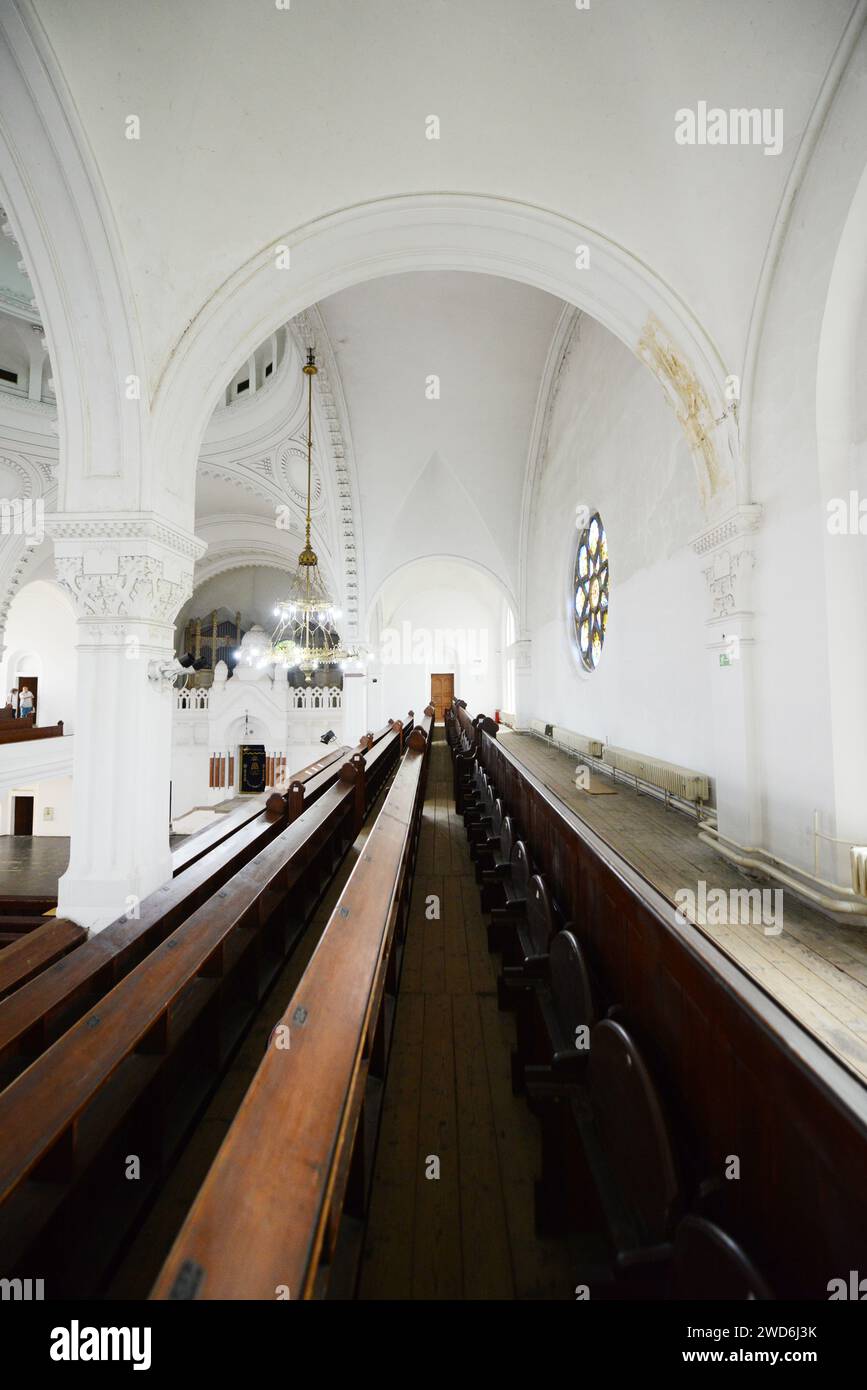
x,y
590,591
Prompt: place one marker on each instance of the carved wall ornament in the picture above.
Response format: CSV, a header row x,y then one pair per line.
x,y
138,589
727,579
729,551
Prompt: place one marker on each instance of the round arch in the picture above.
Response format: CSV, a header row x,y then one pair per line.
x,y
436,231
407,569
53,197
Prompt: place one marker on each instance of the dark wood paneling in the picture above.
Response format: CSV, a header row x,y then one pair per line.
x,y
739,1075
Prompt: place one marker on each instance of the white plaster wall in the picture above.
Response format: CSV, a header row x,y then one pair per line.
x,y
444,628
41,625
190,753
53,794
614,446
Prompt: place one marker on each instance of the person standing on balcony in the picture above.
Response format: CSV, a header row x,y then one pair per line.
x,y
13,700
25,702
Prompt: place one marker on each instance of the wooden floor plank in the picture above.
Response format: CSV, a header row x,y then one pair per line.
x,y
457,967
483,977
471,1233
541,1268
817,967
433,966
484,1234
437,1264
386,1271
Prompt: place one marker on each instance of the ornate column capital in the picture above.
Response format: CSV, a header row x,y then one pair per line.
x,y
124,570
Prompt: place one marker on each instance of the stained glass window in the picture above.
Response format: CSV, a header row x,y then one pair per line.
x,y
590,590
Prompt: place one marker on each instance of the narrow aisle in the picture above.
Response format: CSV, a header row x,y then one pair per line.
x,y
468,1232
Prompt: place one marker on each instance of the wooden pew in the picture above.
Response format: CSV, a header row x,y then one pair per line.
x,y
463,735
511,883
132,1073
30,904
25,958
709,1265
282,1204
280,802
25,731
525,948
195,847
621,1179
302,790
553,1029
35,1014
736,1073
13,928
486,840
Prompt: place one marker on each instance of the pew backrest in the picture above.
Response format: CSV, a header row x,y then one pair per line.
x,y
520,869
570,985
710,1265
541,915
277,1184
633,1131
37,950
41,1108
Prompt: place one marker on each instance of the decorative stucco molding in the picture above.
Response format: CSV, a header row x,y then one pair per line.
x,y
742,521
70,526
126,568
309,330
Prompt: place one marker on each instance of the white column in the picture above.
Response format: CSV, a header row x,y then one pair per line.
x,y
355,706
127,581
727,558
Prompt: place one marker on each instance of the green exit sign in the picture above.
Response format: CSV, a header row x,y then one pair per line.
x,y
725,659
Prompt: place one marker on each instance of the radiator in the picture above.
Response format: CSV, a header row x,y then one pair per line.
x,y
858,860
508,719
538,726
577,743
679,781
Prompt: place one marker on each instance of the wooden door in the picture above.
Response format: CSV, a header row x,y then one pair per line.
x,y
22,820
442,692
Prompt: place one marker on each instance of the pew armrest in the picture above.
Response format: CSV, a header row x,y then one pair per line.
x,y
496,874
644,1257
516,908
566,1068
533,967
542,1084
645,1272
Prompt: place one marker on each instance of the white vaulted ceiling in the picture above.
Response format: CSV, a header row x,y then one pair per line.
x,y
257,121
430,477
440,477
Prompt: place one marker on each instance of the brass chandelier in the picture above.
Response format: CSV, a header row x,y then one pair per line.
x,y
305,637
